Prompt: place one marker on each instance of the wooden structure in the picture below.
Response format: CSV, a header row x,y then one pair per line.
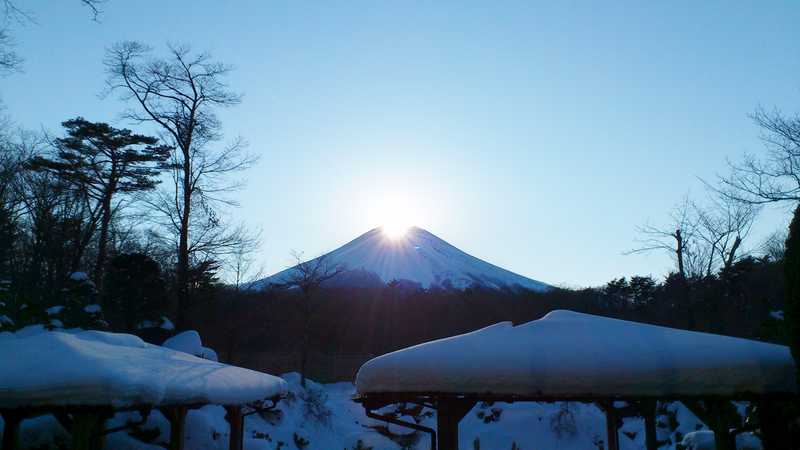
x,y
86,424
83,379
623,367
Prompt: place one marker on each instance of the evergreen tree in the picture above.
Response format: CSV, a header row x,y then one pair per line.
x,y
792,274
80,307
99,161
135,292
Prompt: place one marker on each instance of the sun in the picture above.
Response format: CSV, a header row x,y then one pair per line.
x,y
395,214
396,220
395,231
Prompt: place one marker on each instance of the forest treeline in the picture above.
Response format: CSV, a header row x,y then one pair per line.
x,y
746,301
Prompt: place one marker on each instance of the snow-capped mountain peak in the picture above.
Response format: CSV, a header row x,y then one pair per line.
x,y
417,256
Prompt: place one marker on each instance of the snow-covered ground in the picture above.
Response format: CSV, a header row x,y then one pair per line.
x,y
418,256
323,417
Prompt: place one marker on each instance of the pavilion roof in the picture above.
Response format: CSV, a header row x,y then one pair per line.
x,y
94,368
573,355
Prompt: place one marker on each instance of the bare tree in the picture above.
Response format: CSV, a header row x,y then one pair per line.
x,y
243,271
773,246
180,93
722,226
241,263
10,61
775,177
674,239
13,12
307,278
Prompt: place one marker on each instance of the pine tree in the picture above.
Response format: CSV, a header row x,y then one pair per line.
x,y
99,161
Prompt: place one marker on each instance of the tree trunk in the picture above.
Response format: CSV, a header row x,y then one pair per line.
x,y
102,244
304,349
679,254
183,244
732,254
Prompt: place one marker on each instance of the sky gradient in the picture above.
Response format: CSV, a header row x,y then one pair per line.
x,y
535,136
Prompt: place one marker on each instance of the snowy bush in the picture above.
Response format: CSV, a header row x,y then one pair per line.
x,y
488,413
299,441
563,421
361,446
314,407
80,307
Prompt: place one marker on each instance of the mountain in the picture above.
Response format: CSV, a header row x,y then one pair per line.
x,y
417,256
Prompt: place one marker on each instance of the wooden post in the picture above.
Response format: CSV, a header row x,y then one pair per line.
x,y
723,417
448,414
611,426
11,431
177,426
649,413
236,420
87,431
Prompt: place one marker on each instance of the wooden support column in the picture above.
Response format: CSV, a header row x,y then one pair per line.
x,y
723,417
774,418
87,431
720,416
11,431
236,420
612,436
648,408
177,426
448,414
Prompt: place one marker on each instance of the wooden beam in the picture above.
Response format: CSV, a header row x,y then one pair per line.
x,y
176,416
448,414
11,431
648,408
87,431
236,420
612,436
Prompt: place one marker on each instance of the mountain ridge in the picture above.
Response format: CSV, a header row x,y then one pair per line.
x,y
417,256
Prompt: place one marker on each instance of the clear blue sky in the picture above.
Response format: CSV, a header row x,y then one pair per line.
x,y
533,135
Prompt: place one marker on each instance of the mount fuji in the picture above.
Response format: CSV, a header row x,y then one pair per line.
x,y
417,256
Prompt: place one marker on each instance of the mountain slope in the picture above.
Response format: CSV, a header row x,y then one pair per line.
x,y
419,257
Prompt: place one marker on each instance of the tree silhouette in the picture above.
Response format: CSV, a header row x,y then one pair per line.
x,y
99,161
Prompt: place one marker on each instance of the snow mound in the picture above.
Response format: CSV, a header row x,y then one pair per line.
x,y
573,355
189,342
100,368
419,257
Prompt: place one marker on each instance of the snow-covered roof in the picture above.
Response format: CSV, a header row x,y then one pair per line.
x,y
572,355
99,368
